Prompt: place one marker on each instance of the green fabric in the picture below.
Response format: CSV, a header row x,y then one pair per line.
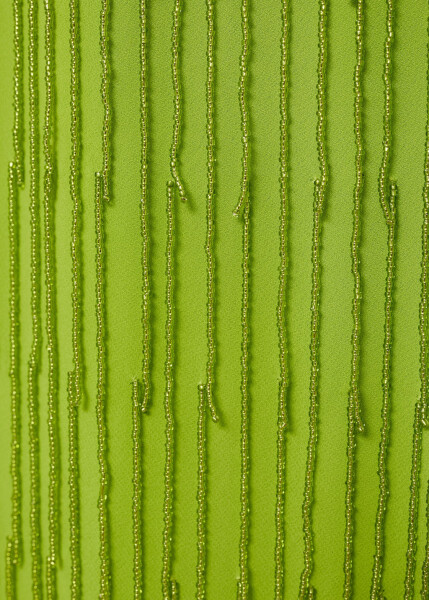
x,y
123,276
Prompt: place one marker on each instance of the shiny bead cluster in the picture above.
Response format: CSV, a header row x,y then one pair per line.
x,y
201,495
281,311
388,204
105,95
75,586
306,590
354,419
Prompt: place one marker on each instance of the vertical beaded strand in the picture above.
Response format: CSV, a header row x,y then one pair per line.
x,y
420,418
177,99
243,582
35,243
105,588
201,495
205,392
74,377
425,568
306,589
354,419
210,210
75,586
105,96
169,586
144,209
137,489
281,312
14,542
15,179
18,93
388,195
414,503
50,303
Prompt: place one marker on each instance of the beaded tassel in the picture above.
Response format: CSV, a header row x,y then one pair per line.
x,y
177,100
205,392
210,211
18,93
105,95
144,210
33,370
388,203
354,419
75,377
420,418
105,588
75,587
15,179
425,278
243,582
306,589
414,503
169,586
14,542
281,314
50,304
201,494
137,492
425,568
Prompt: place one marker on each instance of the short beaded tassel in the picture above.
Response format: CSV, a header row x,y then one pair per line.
x,y
137,490
50,284
424,383
281,314
388,193
306,590
14,542
74,388
354,417
144,209
205,392
244,202
35,279
15,179
169,586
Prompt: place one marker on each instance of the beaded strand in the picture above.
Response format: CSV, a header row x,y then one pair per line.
x,y
137,491
306,589
210,212
388,203
101,390
144,210
414,503
50,304
354,418
35,243
75,376
14,542
201,494
76,584
169,586
177,100
18,93
281,313
425,568
105,95
243,582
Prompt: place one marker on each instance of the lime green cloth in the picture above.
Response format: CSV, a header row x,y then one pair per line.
x,y
123,277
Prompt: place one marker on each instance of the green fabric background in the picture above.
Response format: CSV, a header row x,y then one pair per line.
x,y
123,276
